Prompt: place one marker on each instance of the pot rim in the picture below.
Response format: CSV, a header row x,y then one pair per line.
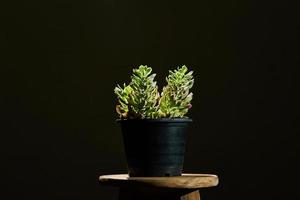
x,y
160,120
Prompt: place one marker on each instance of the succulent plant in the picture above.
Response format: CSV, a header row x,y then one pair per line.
x,y
138,99
141,99
176,99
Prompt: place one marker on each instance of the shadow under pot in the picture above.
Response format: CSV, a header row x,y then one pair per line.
x,y
154,147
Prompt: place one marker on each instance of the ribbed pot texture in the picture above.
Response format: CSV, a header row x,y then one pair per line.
x,y
154,147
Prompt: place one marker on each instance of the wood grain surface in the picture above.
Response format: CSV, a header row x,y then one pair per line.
x,y
186,181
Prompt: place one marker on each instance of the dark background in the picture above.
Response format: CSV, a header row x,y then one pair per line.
x,y
60,61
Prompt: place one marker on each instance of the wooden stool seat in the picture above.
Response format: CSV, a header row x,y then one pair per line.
x,y
185,187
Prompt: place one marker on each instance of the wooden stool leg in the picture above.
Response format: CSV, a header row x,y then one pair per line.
x,y
145,193
195,195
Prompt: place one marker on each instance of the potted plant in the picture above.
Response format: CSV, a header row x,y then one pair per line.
x,y
154,125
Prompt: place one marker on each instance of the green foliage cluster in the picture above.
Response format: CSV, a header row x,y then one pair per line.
x,y
140,99
175,98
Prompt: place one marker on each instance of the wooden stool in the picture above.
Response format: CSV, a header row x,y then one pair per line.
x,y
185,187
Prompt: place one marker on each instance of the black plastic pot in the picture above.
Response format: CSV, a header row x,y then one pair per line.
x,y
154,147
